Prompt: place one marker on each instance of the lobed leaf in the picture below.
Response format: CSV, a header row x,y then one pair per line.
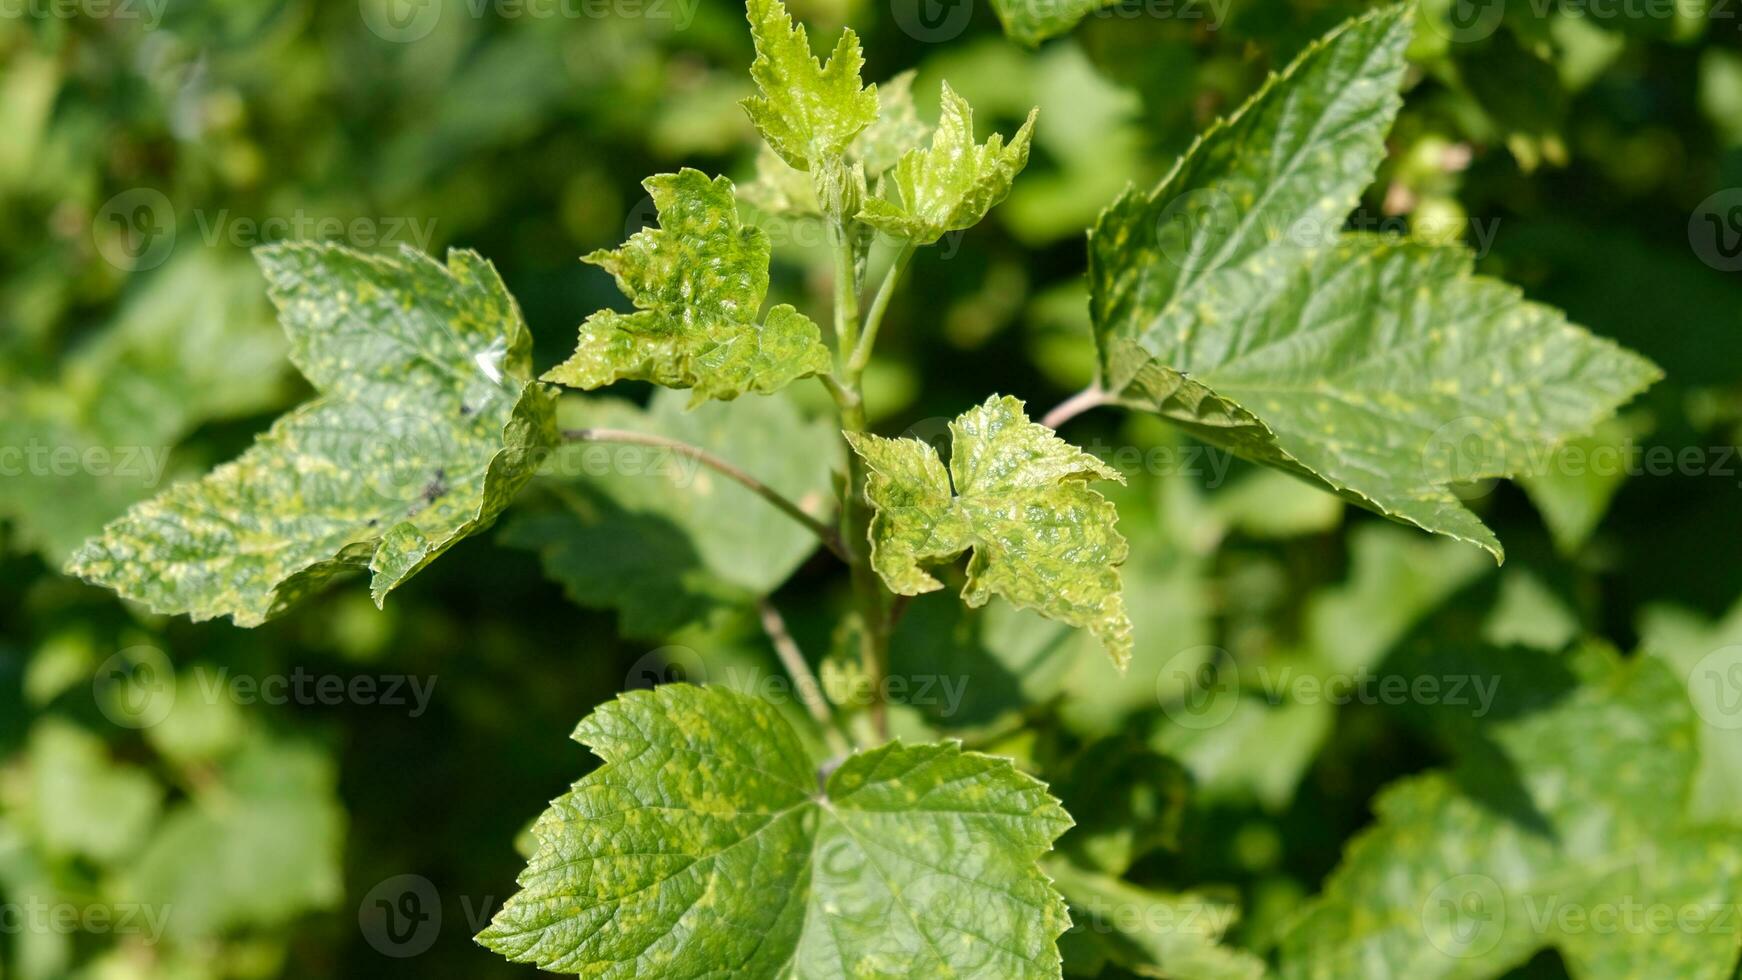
x,y
708,844
426,426
807,113
1382,369
698,282
951,185
1577,837
1286,169
1019,497
1229,301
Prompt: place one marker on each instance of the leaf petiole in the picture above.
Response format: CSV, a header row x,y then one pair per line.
x,y
874,319
810,691
1077,404
830,538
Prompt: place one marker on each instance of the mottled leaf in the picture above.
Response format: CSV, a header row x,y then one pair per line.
x,y
1033,21
664,539
1382,369
426,426
950,185
1576,837
781,189
1227,301
1285,170
105,433
1018,496
808,113
710,844
698,282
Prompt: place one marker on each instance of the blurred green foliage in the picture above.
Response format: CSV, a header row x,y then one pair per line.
x,y
1596,159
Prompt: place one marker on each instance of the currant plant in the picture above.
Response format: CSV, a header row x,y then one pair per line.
x,y
721,838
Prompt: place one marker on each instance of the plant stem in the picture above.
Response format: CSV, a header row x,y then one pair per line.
x,y
855,516
828,535
1077,404
874,319
846,303
792,658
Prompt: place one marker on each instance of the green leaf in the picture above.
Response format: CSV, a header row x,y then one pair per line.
x,y
708,844
108,423
1030,22
1395,580
806,112
1381,369
664,539
698,282
1021,500
780,189
1574,487
1707,655
82,802
951,185
897,131
1289,166
1150,933
426,426
259,845
1228,301
1577,838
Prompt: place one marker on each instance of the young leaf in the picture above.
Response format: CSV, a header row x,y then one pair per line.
x,y
806,112
1021,500
1578,838
698,282
661,537
951,185
1030,22
708,844
898,128
1382,369
781,190
427,425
